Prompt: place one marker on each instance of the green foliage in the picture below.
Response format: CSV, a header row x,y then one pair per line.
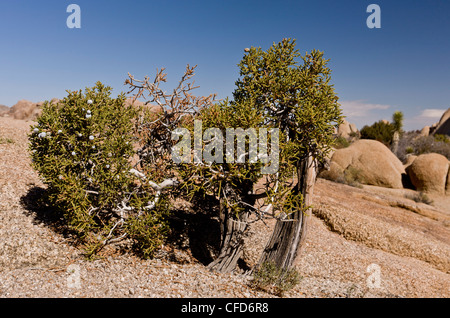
x,y
442,138
341,142
384,131
82,148
274,91
397,121
380,131
296,98
271,278
409,150
150,229
353,177
229,180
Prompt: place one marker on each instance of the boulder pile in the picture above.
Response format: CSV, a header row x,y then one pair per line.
x,y
371,162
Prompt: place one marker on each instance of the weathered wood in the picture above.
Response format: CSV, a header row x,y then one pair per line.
x,y
289,234
232,231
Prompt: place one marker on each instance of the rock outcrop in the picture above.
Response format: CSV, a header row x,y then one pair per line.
x,y
3,110
370,162
27,110
443,126
425,131
447,186
347,130
428,173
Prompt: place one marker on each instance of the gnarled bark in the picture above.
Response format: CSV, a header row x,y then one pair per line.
x,y
233,228
289,234
233,231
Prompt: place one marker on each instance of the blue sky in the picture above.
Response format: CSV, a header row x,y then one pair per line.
x,y
404,65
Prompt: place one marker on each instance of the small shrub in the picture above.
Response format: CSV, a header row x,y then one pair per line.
x,y
380,131
341,142
6,140
442,138
351,176
82,148
409,150
419,197
271,278
414,143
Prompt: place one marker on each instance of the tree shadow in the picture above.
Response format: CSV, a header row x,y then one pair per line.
x,y
197,229
36,205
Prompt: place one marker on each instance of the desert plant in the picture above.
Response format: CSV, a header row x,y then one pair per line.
x,y
442,138
353,177
409,150
274,92
269,277
416,144
380,131
6,140
82,148
180,110
397,121
419,197
341,142
299,100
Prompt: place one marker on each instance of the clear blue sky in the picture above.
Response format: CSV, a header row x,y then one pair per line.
x,y
404,66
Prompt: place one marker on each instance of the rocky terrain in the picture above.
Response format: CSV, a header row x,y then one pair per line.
x,y
362,242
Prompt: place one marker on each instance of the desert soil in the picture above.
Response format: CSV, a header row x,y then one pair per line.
x,y
368,242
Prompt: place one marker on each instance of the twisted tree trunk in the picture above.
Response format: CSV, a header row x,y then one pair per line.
x,y
232,232
289,234
233,228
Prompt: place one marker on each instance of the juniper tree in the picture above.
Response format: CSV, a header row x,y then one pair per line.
x,y
299,100
82,147
275,92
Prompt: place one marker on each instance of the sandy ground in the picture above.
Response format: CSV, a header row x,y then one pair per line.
x,y
368,242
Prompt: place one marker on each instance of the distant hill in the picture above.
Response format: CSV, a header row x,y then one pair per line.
x,y
3,109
